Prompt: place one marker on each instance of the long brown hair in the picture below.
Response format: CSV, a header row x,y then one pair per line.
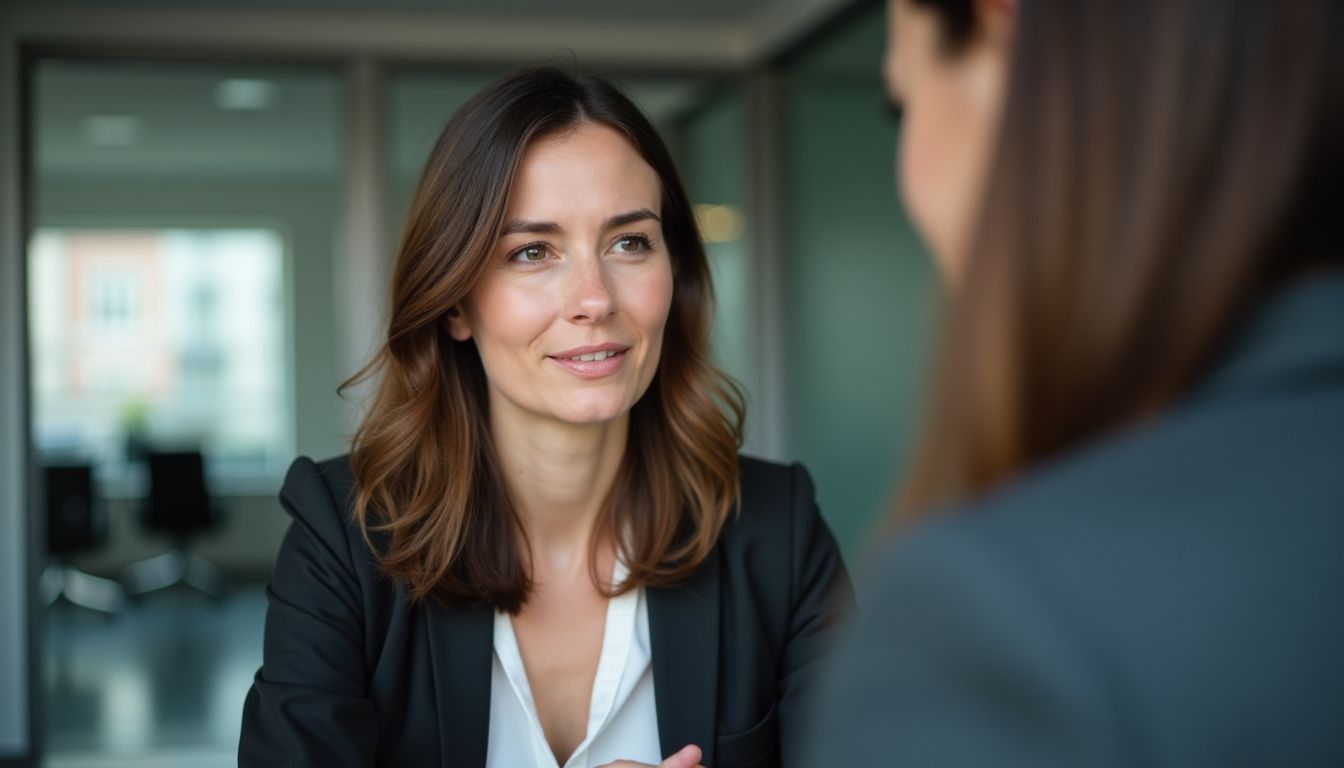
x,y
1161,165
427,479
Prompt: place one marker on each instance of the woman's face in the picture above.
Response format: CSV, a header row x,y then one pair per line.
x,y
568,317
950,100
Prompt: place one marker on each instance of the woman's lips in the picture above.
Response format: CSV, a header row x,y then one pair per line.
x,y
604,361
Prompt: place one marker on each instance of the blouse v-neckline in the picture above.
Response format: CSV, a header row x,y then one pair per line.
x,y
625,659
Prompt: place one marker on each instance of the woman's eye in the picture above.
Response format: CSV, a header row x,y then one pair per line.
x,y
531,254
631,244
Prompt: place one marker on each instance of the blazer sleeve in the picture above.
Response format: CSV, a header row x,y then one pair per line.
x,y
307,705
822,597
957,660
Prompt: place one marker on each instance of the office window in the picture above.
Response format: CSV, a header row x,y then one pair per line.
x,y
162,337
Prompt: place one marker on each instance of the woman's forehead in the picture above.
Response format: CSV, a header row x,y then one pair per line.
x,y
591,172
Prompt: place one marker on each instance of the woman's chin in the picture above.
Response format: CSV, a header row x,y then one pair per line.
x,y
595,411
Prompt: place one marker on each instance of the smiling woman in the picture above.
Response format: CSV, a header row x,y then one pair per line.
x,y
589,299
544,548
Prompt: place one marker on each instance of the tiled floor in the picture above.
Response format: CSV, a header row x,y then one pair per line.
x,y
161,684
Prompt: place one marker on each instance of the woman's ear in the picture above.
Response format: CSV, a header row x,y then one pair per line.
x,y
456,321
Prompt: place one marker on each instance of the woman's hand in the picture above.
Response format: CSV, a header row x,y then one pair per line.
x,y
688,757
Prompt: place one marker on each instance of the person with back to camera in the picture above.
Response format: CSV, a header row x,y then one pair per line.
x,y
1122,539
543,548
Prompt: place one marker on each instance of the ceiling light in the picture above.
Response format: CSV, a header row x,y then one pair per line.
x,y
245,95
112,130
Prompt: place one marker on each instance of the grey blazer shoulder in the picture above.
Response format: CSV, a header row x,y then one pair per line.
x,y
1167,596
353,673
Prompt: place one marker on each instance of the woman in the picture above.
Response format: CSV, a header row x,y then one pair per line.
x,y
1130,498
543,549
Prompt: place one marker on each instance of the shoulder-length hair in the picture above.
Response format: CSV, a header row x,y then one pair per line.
x,y
1160,167
427,477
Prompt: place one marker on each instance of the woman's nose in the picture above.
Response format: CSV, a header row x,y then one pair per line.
x,y
591,297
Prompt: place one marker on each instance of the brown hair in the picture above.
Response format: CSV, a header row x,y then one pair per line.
x,y
426,472
1161,166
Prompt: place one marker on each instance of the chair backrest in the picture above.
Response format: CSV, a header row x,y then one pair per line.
x,y
179,499
74,514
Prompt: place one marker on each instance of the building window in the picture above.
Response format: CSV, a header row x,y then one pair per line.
x,y
165,337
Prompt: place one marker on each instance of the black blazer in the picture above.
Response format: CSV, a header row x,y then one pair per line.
x,y
1169,596
354,674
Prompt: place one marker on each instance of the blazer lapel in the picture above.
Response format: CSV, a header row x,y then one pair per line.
x,y
684,633
461,643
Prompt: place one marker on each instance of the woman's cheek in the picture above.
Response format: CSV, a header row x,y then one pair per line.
x,y
659,299
919,179
513,313
645,293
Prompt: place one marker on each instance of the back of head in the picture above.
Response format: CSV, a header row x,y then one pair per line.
x,y
1162,165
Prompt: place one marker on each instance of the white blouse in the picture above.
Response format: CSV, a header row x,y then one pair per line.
x,y
622,716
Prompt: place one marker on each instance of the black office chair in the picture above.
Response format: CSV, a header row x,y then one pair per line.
x,y
178,504
75,522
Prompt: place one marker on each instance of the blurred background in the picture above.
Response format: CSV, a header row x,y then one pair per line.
x,y
199,204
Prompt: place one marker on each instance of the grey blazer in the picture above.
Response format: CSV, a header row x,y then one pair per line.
x,y
1169,596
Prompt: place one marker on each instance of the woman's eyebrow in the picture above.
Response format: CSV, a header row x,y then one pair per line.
x,y
518,226
625,219
521,226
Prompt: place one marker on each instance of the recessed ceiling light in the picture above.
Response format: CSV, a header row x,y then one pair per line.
x,y
244,94
112,130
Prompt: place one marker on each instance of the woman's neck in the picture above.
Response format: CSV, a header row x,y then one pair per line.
x,y
557,475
